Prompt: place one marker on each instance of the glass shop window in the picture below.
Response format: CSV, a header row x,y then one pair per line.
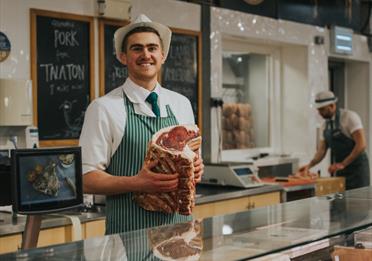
x,y
246,96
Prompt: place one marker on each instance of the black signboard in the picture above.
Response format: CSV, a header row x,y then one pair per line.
x,y
62,74
112,72
181,71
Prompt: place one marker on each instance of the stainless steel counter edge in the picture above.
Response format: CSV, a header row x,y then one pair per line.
x,y
238,194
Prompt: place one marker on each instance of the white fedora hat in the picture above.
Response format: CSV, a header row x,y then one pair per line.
x,y
142,21
324,98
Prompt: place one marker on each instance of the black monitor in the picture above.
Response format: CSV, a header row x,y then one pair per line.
x,y
46,180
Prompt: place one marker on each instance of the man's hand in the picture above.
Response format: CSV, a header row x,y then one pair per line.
x,y
304,169
198,169
149,181
335,167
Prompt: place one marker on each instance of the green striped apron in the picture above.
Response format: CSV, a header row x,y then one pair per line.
x,y
122,212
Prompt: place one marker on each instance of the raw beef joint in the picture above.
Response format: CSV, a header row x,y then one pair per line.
x,y
175,148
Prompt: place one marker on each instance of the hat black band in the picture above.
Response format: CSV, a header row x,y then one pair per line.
x,y
327,99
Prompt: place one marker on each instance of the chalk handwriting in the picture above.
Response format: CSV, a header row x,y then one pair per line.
x,y
73,125
179,75
67,72
58,23
65,38
61,55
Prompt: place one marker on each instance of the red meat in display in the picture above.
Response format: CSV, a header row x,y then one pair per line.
x,y
175,148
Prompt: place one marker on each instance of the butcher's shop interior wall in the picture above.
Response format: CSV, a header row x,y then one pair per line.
x,y
300,70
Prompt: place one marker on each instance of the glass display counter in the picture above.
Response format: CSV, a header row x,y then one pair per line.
x,y
246,235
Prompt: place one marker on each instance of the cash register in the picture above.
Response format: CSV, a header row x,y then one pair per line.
x,y
231,174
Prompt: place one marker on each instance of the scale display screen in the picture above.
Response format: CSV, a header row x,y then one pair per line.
x,y
243,171
230,174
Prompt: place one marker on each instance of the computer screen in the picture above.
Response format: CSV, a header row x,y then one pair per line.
x,y
46,180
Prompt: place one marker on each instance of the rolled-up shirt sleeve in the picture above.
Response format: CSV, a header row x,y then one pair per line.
x,y
354,122
95,139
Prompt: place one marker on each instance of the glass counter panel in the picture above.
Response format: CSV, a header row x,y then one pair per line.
x,y
238,236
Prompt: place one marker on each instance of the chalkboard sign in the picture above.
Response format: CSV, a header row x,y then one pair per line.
x,y
181,71
62,66
112,72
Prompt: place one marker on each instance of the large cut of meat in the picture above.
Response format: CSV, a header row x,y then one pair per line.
x,y
175,148
177,242
304,175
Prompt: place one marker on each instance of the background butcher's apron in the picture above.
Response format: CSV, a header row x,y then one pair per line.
x,y
356,173
122,212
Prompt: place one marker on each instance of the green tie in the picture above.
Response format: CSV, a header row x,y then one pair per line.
x,y
153,100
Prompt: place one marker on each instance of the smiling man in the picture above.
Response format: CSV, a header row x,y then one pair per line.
x,y
118,126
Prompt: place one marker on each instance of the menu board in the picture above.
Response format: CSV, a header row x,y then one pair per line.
x,y
181,70
112,72
62,59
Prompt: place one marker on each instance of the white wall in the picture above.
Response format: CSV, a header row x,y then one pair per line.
x,y
357,91
295,113
258,93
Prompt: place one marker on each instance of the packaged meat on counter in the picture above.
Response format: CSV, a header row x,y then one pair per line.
x,y
175,148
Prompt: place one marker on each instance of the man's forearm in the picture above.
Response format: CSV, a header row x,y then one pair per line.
x,y
352,156
319,155
315,160
100,182
360,145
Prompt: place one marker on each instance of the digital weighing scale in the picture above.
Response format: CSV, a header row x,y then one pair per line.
x,y
231,174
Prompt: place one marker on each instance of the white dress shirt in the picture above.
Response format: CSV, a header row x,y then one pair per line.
x,y
105,120
349,122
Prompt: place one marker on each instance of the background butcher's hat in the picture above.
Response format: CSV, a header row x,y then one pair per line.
x,y
142,21
324,98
